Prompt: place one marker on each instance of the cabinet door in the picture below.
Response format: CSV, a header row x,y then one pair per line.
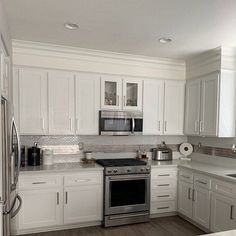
x,y
209,105
201,206
32,101
40,208
87,104
132,94
185,205
4,71
153,104
222,213
174,107
111,92
192,107
83,204
61,102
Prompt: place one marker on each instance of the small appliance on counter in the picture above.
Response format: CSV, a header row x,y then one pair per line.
x,y
23,161
47,157
186,149
163,153
34,155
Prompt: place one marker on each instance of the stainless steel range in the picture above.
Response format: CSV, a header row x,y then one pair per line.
x,y
126,191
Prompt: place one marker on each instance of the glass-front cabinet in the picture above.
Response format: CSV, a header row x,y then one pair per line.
x,y
121,94
132,94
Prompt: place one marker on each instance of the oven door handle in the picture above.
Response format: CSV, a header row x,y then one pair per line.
x,y
130,177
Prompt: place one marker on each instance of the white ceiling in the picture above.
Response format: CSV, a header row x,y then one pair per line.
x,y
127,26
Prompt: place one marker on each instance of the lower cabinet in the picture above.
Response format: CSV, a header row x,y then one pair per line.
x,y
223,216
83,204
40,208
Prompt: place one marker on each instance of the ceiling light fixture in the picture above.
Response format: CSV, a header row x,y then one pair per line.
x,y
165,40
71,26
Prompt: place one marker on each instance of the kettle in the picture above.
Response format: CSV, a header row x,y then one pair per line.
x,y
34,155
163,153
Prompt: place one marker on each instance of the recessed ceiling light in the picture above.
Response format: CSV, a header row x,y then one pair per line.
x,y
71,26
165,40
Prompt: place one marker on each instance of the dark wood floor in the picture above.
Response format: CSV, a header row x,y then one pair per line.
x,y
166,226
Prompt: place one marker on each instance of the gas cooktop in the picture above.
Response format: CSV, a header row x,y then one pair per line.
x,y
120,162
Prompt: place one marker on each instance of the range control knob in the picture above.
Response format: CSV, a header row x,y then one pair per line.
x,y
147,169
142,169
109,171
115,171
128,170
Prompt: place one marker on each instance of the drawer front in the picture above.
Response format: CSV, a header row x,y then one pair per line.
x,y
83,179
38,182
162,196
164,173
202,181
163,184
186,175
163,207
224,188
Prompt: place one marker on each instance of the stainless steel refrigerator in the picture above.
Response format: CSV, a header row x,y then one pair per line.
x,y
10,201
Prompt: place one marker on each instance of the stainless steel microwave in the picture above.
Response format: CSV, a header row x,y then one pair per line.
x,y
120,123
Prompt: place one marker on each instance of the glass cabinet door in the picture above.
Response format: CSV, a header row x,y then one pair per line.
x,y
111,93
132,99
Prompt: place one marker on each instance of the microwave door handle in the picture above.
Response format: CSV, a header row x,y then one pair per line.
x,y
133,125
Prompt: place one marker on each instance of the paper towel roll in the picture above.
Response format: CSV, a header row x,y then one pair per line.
x,y
186,149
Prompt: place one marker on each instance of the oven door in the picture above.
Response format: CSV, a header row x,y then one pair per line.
x,y
127,193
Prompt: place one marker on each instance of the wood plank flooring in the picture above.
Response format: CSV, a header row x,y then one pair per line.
x,y
166,226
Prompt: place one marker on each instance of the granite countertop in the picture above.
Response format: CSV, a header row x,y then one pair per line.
x,y
61,167
225,233
163,164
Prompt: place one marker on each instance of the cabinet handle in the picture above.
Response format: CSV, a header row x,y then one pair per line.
x,y
57,198
163,196
124,101
77,124
201,182
164,175
196,126
161,208
231,212
201,126
159,125
66,197
193,195
187,177
39,183
43,124
162,185
189,192
118,100
165,125
71,124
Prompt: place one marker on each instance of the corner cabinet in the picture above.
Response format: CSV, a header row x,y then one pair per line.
x,y
121,94
215,116
61,92
87,101
31,99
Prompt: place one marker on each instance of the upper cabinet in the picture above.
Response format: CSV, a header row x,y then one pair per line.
x,y
118,93
61,96
87,103
32,101
215,116
153,104
174,107
163,107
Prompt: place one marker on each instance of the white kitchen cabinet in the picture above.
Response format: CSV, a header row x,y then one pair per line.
x,y
201,206
87,103
40,208
153,104
217,108
192,107
111,92
32,101
185,206
223,216
174,107
61,100
83,204
132,94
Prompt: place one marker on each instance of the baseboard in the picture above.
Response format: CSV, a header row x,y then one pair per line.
x,y
194,223
55,228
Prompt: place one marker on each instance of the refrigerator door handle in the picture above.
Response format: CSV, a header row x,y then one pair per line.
x,y
14,213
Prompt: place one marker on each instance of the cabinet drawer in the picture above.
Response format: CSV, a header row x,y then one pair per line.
x,y
34,182
164,173
202,181
163,184
83,179
223,187
186,175
163,207
162,196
